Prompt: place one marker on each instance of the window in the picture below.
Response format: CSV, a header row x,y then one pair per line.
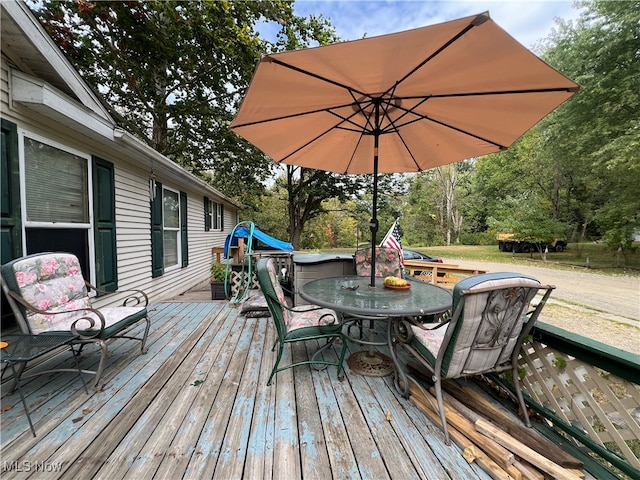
x,y
213,215
208,214
67,203
57,200
218,216
171,227
169,242
56,184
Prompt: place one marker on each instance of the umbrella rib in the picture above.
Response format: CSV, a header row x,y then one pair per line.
x,y
301,147
413,158
477,21
292,115
311,112
496,92
353,155
396,128
314,75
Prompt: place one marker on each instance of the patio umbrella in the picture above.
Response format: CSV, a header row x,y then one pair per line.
x,y
403,102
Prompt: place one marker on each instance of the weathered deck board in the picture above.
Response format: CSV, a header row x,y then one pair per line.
x,y
313,445
142,449
342,452
197,406
112,425
259,463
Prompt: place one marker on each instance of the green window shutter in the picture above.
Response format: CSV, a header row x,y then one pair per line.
x,y
222,217
104,215
10,220
183,229
207,214
157,238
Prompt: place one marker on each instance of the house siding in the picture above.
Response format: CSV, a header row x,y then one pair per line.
x,y
133,230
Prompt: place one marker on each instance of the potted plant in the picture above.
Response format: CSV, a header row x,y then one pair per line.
x,y
218,272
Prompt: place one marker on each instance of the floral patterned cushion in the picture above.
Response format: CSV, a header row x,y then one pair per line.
x,y
387,262
54,283
273,275
429,341
303,317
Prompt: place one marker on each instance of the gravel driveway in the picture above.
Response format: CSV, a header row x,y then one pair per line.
x,y
602,307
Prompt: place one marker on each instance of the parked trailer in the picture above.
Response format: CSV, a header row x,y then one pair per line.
x,y
508,243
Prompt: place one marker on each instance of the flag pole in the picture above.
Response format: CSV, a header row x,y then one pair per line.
x,y
389,232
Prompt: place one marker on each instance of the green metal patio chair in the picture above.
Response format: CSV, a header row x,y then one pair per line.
x,y
295,324
485,333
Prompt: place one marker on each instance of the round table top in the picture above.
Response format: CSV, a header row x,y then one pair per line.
x,y
353,294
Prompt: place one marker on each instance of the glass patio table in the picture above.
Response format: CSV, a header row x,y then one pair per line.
x,y
353,295
22,348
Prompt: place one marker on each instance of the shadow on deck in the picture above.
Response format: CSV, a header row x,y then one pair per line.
x,y
197,406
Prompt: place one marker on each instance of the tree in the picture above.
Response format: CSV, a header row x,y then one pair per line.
x,y
597,134
308,189
173,73
422,219
527,217
449,181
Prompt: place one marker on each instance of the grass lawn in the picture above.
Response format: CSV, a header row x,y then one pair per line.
x,y
586,255
594,256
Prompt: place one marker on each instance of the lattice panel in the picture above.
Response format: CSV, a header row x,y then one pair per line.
x,y
237,282
605,407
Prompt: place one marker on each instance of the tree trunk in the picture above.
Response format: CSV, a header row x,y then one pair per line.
x,y
160,114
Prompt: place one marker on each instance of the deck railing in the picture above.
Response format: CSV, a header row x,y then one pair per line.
x,y
588,390
443,274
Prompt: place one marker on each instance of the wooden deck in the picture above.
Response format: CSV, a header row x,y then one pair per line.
x,y
197,406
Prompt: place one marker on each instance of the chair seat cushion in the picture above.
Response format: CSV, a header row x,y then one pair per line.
x,y
488,326
428,342
115,318
304,322
118,318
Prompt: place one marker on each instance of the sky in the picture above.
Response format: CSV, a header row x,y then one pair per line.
x,y
528,21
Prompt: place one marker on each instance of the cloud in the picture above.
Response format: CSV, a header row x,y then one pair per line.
x,y
527,21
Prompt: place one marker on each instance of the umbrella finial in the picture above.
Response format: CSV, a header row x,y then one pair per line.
x,y
480,19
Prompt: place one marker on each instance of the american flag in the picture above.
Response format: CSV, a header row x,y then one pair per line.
x,y
392,240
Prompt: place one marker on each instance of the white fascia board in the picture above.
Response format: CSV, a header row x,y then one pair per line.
x,y
38,36
47,100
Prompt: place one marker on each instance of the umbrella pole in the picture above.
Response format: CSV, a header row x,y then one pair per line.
x,y
374,219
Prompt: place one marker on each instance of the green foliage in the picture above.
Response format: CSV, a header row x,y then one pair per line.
x,y
559,362
527,217
269,213
173,73
508,374
597,135
218,271
307,191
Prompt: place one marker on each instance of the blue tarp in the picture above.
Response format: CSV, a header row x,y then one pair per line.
x,y
263,238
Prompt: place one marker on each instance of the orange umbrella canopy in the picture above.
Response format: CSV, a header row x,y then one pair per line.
x,y
403,102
